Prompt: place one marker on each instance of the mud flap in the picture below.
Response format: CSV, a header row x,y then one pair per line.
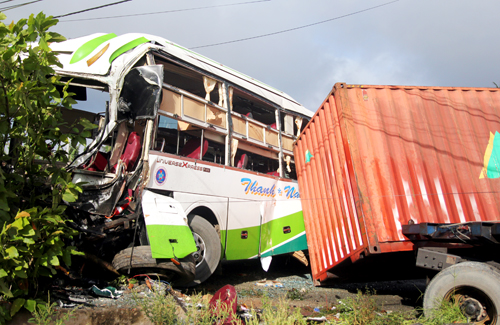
x,y
167,227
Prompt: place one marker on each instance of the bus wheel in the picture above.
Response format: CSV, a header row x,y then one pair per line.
x,y
474,286
138,259
208,246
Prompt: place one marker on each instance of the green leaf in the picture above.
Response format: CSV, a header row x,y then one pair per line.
x,y
43,44
5,289
68,196
16,305
87,124
30,305
29,241
3,273
21,274
12,252
54,260
54,37
2,16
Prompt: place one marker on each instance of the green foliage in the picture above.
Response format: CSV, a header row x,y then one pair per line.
x,y
448,312
46,314
199,311
158,306
363,310
32,180
278,314
296,294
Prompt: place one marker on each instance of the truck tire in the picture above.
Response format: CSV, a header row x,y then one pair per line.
x,y
475,286
207,257
142,263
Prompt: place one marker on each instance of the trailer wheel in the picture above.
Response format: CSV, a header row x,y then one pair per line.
x,y
207,256
475,286
141,262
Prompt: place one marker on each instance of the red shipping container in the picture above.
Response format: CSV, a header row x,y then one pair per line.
x,y
375,158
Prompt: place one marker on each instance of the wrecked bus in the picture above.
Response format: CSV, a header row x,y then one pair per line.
x,y
191,162
396,174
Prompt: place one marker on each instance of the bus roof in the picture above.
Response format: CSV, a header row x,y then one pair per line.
x,y
96,54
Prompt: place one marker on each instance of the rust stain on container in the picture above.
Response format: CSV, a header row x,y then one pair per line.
x,y
375,158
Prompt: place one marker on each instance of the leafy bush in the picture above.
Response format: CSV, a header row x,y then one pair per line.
x,y
33,182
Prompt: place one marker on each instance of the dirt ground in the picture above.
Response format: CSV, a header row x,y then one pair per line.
x,y
287,277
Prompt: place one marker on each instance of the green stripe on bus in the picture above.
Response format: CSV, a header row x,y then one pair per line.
x,y
273,232
238,248
124,48
169,241
273,238
89,47
298,244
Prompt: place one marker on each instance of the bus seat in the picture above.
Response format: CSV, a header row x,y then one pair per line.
x,y
273,173
192,148
99,163
273,125
131,152
242,163
249,114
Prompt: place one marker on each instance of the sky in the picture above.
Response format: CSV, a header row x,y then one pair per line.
x,y
452,43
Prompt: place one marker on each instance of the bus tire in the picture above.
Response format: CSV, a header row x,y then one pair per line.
x,y
207,257
139,260
475,286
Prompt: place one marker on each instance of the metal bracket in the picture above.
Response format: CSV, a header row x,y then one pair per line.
x,y
429,258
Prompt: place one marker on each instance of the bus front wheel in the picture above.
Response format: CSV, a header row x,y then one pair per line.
x,y
207,255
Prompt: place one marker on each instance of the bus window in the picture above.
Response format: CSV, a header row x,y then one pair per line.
x,y
253,108
215,152
188,80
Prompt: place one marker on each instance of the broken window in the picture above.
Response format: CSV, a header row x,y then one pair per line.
x,y
183,139
253,108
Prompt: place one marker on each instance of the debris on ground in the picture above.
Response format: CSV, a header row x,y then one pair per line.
x,y
108,292
269,283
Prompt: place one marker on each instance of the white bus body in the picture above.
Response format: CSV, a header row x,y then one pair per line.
x,y
188,149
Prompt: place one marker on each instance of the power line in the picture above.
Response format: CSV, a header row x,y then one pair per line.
x,y
94,8
165,12
295,28
17,6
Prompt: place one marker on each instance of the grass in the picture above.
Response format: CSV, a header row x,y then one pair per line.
x,y
295,294
362,310
160,308
277,314
49,314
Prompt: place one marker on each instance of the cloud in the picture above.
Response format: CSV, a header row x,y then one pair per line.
x,y
425,42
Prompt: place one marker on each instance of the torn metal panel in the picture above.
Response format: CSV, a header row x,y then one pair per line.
x,y
140,97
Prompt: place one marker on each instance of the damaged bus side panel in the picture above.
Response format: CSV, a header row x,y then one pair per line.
x,y
115,171
191,163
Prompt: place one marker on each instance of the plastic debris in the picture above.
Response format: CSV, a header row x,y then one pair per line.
x,y
317,319
269,283
316,309
108,292
78,299
226,299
